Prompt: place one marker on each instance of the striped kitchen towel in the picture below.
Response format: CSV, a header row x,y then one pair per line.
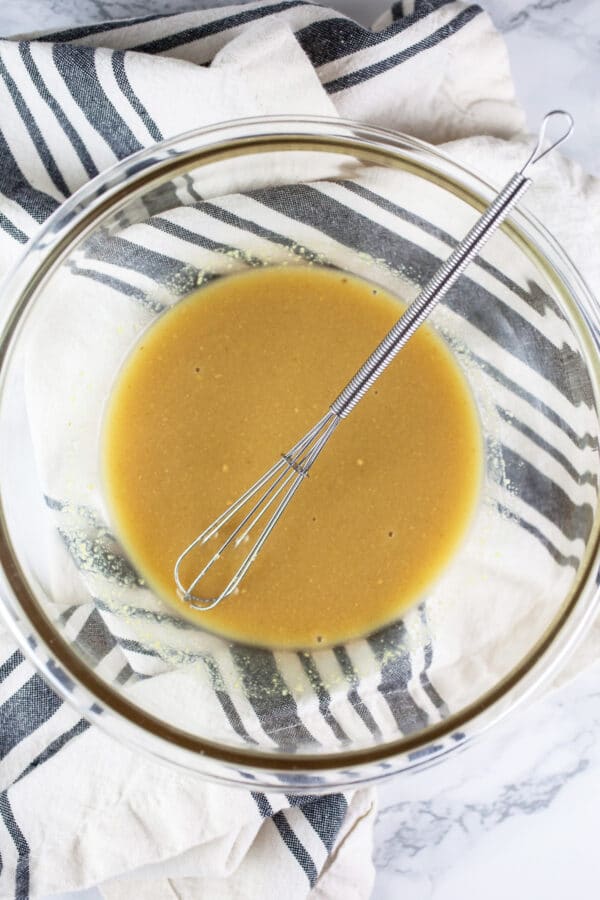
x,y
76,809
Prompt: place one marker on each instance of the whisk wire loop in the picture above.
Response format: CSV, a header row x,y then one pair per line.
x,y
283,478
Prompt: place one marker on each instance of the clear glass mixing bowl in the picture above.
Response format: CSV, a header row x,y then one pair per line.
x,y
523,327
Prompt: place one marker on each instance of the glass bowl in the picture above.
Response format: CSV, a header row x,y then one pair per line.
x,y
523,327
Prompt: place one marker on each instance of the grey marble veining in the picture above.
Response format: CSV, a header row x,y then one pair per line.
x,y
525,788
554,48
512,14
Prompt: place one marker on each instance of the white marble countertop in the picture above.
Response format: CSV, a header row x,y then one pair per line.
x,y
515,814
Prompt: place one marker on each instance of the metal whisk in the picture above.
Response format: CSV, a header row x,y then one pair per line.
x,y
275,489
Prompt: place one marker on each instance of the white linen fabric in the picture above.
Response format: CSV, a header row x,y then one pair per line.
x,y
76,809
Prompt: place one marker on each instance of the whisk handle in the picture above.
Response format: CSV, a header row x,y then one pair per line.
x,y
445,276
432,293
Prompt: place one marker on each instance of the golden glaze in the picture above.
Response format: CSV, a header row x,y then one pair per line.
x,y
233,376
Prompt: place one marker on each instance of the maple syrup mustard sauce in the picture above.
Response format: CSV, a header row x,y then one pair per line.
x,y
232,377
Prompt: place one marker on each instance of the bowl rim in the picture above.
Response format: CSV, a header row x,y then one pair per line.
x,y
50,652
